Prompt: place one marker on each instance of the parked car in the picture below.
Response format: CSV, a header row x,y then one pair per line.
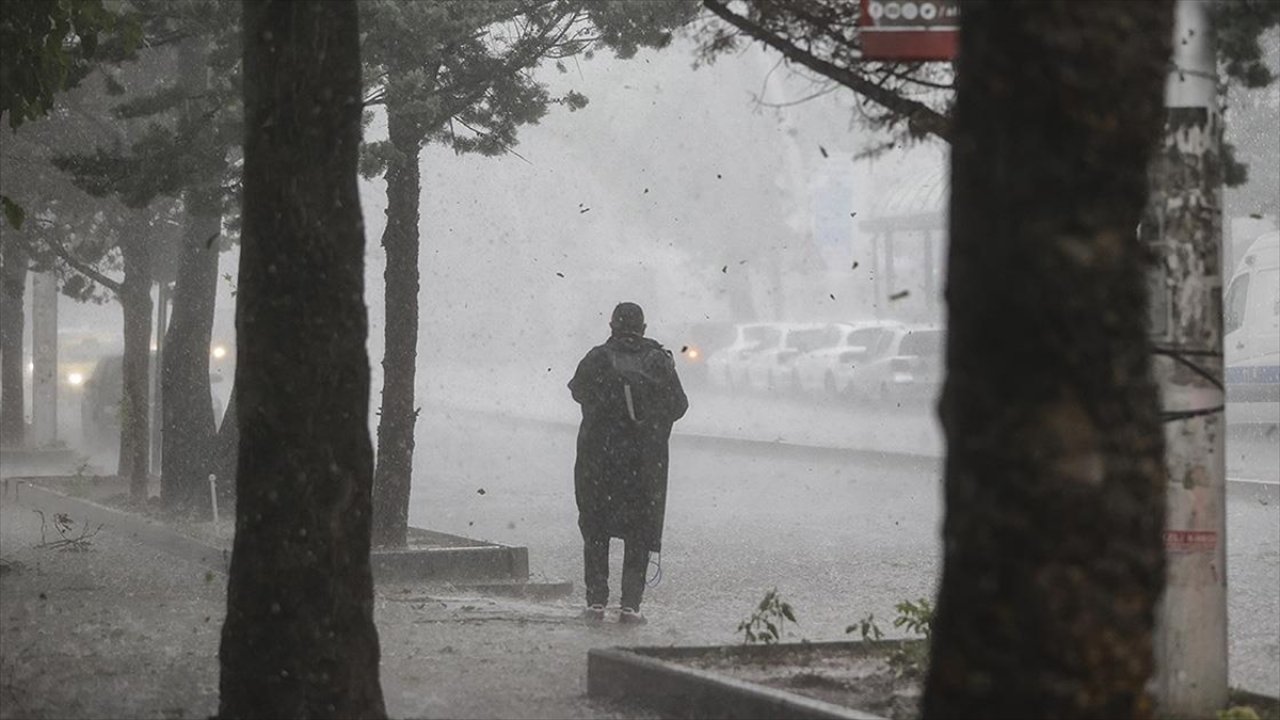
x,y
100,403
827,371
874,379
103,392
773,369
1252,335
918,368
693,345
726,368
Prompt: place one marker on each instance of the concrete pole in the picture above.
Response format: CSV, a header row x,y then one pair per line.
x,y
1185,227
44,360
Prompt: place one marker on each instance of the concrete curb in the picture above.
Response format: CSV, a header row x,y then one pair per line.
x,y
140,529
643,675
464,563
1263,491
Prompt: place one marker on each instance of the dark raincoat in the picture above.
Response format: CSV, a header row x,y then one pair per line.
x,y
620,478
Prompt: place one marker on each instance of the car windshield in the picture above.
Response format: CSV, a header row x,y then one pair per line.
x,y
813,339
923,343
866,338
712,336
761,336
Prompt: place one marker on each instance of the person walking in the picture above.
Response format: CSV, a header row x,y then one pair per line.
x,y
630,396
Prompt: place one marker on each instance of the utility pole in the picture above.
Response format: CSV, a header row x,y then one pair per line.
x,y
1184,229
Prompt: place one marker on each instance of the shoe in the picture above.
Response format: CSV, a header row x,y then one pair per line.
x,y
631,617
593,612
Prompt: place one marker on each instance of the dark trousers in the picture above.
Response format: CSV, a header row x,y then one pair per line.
x,y
595,565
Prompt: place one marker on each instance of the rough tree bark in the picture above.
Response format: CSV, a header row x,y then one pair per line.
x,y
1054,472
13,284
135,398
187,421
394,474
188,425
299,638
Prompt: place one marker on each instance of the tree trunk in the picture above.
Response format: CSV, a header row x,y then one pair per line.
x,y
135,402
188,424
1054,470
299,638
226,452
13,285
394,474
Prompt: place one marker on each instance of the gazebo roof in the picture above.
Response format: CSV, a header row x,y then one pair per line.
x,y
912,202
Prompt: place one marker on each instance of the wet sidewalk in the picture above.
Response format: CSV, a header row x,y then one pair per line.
x,y
120,630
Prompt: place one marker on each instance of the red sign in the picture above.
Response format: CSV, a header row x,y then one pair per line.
x,y
1190,541
909,29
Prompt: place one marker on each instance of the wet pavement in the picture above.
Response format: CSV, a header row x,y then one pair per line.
x,y
127,631
840,536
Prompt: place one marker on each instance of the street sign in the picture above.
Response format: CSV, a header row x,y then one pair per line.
x,y
909,30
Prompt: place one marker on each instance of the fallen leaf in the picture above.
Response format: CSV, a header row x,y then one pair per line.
x,y
855,265
900,294
480,491
823,151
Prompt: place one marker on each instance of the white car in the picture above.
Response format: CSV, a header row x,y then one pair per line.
x,y
892,363
1252,335
919,366
773,369
829,370
726,368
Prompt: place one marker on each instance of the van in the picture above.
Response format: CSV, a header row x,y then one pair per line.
x,y
1251,335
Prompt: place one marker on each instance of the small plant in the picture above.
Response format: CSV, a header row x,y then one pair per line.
x,y
768,622
867,627
1238,712
916,617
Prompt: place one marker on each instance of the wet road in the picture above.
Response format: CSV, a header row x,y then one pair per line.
x,y
839,536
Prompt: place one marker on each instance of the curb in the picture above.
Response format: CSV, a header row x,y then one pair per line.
x,y
141,530
1263,491
469,564
641,675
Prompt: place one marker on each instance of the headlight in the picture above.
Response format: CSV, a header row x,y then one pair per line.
x,y
75,378
219,352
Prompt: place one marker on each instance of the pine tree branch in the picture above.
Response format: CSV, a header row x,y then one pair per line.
x,y
920,117
77,264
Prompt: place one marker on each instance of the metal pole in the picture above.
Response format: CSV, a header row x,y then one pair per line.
x,y
1185,226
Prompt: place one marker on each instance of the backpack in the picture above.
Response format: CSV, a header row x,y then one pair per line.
x,y
640,386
